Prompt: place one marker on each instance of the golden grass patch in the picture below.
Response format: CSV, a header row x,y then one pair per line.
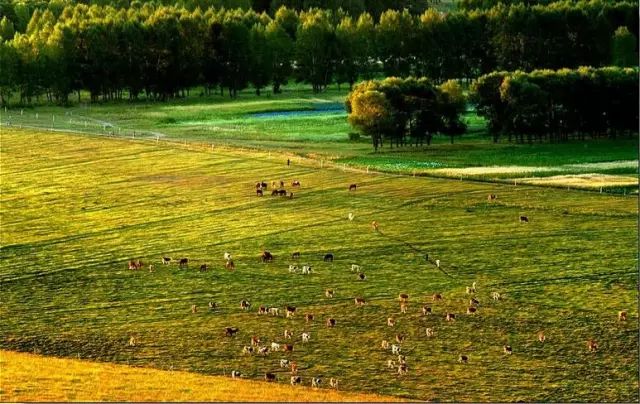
x,y
28,377
583,180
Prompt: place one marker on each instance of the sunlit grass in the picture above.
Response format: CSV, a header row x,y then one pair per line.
x,y
75,209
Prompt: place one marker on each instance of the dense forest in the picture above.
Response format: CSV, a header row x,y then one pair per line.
x,y
161,52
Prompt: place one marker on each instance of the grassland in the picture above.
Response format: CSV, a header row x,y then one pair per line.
x,y
220,121
75,209
28,377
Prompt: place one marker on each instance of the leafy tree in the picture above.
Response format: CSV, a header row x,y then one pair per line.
x,y
315,49
281,48
623,48
6,29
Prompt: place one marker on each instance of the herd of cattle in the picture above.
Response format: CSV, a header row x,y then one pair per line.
x,y
398,360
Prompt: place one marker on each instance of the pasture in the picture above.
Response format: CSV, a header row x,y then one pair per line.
x,y
76,209
311,125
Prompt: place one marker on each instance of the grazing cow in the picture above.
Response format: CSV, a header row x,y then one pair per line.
x,y
362,276
235,374
491,197
274,311
450,317
134,265
307,269
203,268
391,322
496,296
436,296
391,364
471,310
244,305
284,363
230,265
403,308
592,345
287,348
291,311
353,187
402,359
295,183
294,368
259,192
288,334
429,332
333,383
359,301
262,310
375,225
263,184
184,263
295,380
275,192
212,305
395,349
315,382
622,316
283,192
266,256
328,257
132,341
402,369
403,297
247,350
331,322
230,331
276,347
400,338
263,350
384,344
463,359
426,310
329,293
270,377
355,268
474,301
306,337
194,308
293,269
308,317
258,185
507,350
524,219
295,255
166,260
227,256
438,263
350,216
541,336
255,341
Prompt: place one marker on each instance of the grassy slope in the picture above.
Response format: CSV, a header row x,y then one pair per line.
x,y
28,377
220,120
75,209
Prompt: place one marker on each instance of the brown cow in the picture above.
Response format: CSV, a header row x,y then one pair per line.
x,y
403,297
230,331
266,256
359,301
331,322
541,336
375,226
255,341
353,187
287,348
184,263
270,377
230,265
203,268
259,192
295,183
507,350
463,359
308,317
524,219
471,310
329,293
492,197
244,305
450,317
291,311
400,338
436,297
426,310
622,316
592,345
295,255
262,310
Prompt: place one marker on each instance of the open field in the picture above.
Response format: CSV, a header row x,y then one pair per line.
x,y
28,377
75,209
319,131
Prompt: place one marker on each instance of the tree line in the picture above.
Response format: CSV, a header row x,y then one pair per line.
x,y
162,52
548,105
406,111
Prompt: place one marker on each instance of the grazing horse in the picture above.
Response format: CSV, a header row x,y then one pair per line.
x,y
266,256
352,187
295,255
263,184
137,264
282,192
492,197
184,262
230,331
524,219
166,260
259,192
328,257
203,268
295,183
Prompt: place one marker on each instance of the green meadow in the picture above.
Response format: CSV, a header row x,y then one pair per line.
x,y
76,208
